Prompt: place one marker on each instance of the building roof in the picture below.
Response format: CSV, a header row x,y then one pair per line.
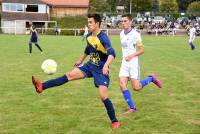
x,y
67,3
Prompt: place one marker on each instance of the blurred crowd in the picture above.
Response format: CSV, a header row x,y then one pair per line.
x,y
158,24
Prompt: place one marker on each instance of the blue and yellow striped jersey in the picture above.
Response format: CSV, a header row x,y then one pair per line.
x,y
99,48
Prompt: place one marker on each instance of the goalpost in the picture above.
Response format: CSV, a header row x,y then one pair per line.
x,y
20,26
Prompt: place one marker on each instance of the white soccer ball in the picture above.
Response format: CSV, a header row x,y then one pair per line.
x,y
49,66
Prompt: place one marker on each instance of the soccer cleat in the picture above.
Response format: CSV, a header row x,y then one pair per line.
x,y
115,125
156,81
37,84
130,111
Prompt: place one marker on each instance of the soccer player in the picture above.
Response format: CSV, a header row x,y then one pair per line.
x,y
101,56
132,48
85,32
34,39
192,34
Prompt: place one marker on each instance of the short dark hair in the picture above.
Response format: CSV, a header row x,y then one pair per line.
x,y
96,17
128,16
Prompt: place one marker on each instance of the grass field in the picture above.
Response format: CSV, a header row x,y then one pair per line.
x,y
75,108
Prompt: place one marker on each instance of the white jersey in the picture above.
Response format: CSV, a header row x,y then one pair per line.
x,y
129,42
86,31
192,34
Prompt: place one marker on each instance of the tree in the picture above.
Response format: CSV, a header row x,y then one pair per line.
x,y
99,6
142,5
194,8
183,4
155,5
113,4
168,6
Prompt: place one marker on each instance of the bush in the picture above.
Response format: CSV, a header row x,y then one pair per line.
x,y
70,22
63,32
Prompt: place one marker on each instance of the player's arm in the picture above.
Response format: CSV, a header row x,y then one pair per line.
x,y
36,34
83,57
140,50
111,55
80,61
30,29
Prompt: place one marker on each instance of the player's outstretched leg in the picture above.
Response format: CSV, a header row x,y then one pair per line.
x,y
72,75
39,86
151,78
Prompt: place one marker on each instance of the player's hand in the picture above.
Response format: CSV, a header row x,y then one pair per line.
x,y
128,58
105,70
77,63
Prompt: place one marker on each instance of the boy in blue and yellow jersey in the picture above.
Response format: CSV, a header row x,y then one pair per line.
x,y
101,56
34,39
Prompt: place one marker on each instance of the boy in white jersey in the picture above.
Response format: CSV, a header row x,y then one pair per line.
x,y
132,47
192,37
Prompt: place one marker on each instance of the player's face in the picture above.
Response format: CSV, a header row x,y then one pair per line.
x,y
92,25
126,23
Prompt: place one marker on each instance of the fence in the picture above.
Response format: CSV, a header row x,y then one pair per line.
x,y
78,32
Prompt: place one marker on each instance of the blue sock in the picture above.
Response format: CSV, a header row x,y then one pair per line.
x,y
128,98
192,46
55,82
146,81
110,110
30,47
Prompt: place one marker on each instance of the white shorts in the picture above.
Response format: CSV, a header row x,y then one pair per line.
x,y
130,69
191,39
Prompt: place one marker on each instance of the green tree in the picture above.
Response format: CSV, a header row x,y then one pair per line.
x,y
142,5
194,8
168,6
155,4
99,6
183,4
113,4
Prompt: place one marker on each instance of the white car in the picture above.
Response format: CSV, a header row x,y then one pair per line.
x,y
158,19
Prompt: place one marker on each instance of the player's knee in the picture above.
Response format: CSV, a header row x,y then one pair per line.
x,y
70,75
122,84
103,97
137,88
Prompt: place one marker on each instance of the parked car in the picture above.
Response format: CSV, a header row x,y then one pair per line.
x,y
158,19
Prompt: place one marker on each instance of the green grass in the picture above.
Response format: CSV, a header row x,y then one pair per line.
x,y
75,108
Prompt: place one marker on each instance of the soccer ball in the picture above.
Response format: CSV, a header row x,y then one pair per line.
x,y
49,66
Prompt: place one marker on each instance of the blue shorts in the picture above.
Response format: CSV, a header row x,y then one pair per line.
x,y
99,77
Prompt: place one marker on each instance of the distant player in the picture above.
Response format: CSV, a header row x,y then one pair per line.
x,y
34,39
101,56
132,48
192,33
85,32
